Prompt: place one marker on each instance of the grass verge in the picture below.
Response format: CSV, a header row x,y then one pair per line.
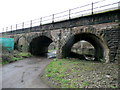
x,y
72,73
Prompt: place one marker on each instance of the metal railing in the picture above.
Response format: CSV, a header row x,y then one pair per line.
x,y
89,9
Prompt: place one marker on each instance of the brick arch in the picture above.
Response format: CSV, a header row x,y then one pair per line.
x,y
92,33
35,35
82,29
39,45
21,43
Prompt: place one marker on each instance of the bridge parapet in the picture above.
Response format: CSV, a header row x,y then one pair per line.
x,y
82,11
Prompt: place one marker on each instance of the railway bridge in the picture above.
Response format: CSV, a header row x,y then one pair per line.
x,y
101,30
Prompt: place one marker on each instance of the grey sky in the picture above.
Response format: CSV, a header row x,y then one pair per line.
x,y
17,11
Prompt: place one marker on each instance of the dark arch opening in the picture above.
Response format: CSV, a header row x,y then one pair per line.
x,y
91,38
39,46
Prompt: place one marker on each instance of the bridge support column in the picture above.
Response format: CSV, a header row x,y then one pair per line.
x,y
107,56
59,54
59,46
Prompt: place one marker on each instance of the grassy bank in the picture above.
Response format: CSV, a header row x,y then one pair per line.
x,y
12,57
72,73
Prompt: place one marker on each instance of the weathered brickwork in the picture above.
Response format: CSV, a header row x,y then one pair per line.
x,y
101,30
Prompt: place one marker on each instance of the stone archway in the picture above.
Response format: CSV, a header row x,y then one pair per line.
x,y
22,44
39,45
101,49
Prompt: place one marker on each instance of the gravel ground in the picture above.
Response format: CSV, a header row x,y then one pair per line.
x,y
83,74
86,74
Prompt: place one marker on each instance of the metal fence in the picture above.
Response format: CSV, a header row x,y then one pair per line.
x,y
89,9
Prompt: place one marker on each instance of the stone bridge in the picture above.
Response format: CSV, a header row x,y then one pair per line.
x,y
102,30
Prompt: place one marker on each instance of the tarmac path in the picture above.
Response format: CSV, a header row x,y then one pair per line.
x,y
24,73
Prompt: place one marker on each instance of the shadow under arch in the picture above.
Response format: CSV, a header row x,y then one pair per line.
x,y
39,45
101,49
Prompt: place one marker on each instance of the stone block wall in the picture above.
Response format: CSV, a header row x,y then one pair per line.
x,y
103,26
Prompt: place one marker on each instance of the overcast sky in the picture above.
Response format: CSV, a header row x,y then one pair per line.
x,y
17,11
